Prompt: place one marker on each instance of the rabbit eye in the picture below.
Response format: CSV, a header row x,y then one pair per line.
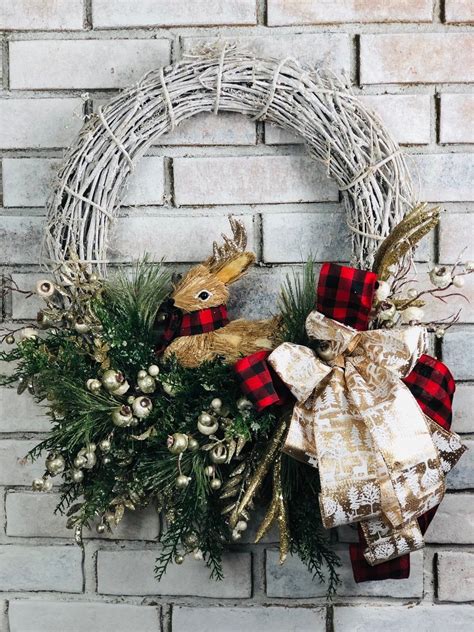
x,y
204,295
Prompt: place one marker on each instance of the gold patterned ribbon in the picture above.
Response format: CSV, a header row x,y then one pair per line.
x,y
379,457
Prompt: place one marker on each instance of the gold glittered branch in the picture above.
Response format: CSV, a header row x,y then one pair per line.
x,y
272,450
277,510
404,237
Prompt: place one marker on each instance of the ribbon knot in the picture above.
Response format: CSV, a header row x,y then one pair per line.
x,y
360,425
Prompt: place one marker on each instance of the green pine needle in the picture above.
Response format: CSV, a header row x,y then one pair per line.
x,y
297,300
140,296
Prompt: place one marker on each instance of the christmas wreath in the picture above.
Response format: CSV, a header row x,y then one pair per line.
x,y
330,413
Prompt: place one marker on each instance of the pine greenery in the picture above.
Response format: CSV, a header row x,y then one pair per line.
x,y
297,300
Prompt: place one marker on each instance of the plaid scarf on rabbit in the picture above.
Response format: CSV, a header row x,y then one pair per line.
x,y
200,322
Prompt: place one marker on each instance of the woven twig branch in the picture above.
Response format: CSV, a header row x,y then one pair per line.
x,y
357,150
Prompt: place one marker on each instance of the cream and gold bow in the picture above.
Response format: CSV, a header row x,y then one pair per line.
x,y
382,462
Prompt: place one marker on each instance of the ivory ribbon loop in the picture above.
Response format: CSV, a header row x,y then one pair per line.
x,y
360,425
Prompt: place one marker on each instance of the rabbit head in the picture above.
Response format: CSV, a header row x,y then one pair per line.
x,y
205,285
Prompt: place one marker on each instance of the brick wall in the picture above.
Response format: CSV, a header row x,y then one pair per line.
x,y
411,60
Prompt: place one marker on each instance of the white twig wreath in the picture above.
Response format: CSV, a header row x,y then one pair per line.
x,y
357,150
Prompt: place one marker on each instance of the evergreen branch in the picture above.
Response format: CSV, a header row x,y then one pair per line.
x,y
297,300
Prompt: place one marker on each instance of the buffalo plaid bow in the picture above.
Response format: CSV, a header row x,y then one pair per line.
x,y
346,294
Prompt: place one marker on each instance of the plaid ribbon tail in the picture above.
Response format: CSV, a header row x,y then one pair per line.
x,y
433,386
258,382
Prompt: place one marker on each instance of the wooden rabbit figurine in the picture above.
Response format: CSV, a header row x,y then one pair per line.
x,y
205,286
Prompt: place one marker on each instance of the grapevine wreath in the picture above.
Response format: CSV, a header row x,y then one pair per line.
x,y
329,413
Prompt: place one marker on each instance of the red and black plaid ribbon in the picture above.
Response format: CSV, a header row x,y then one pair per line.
x,y
345,294
256,380
176,324
203,321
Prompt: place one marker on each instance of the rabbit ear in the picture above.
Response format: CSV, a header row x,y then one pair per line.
x,y
233,269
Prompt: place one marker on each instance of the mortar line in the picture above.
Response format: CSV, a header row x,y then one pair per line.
x,y
87,13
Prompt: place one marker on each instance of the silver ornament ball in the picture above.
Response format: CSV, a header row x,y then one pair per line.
x,y
215,484
182,481
77,476
122,416
216,404
37,485
218,454
47,484
142,406
177,443
105,445
153,370
193,444
209,470
206,419
207,430
55,464
244,404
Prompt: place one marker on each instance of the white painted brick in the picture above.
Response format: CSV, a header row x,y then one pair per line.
x,y
409,618
21,413
62,64
176,238
26,308
459,11
291,237
292,580
63,616
41,15
28,181
282,12
257,619
453,523
455,239
122,13
257,294
146,184
140,525
325,50
416,58
20,239
462,476
443,177
407,116
4,615
455,576
15,469
131,573
232,180
32,123
458,351
463,408
456,125
37,568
